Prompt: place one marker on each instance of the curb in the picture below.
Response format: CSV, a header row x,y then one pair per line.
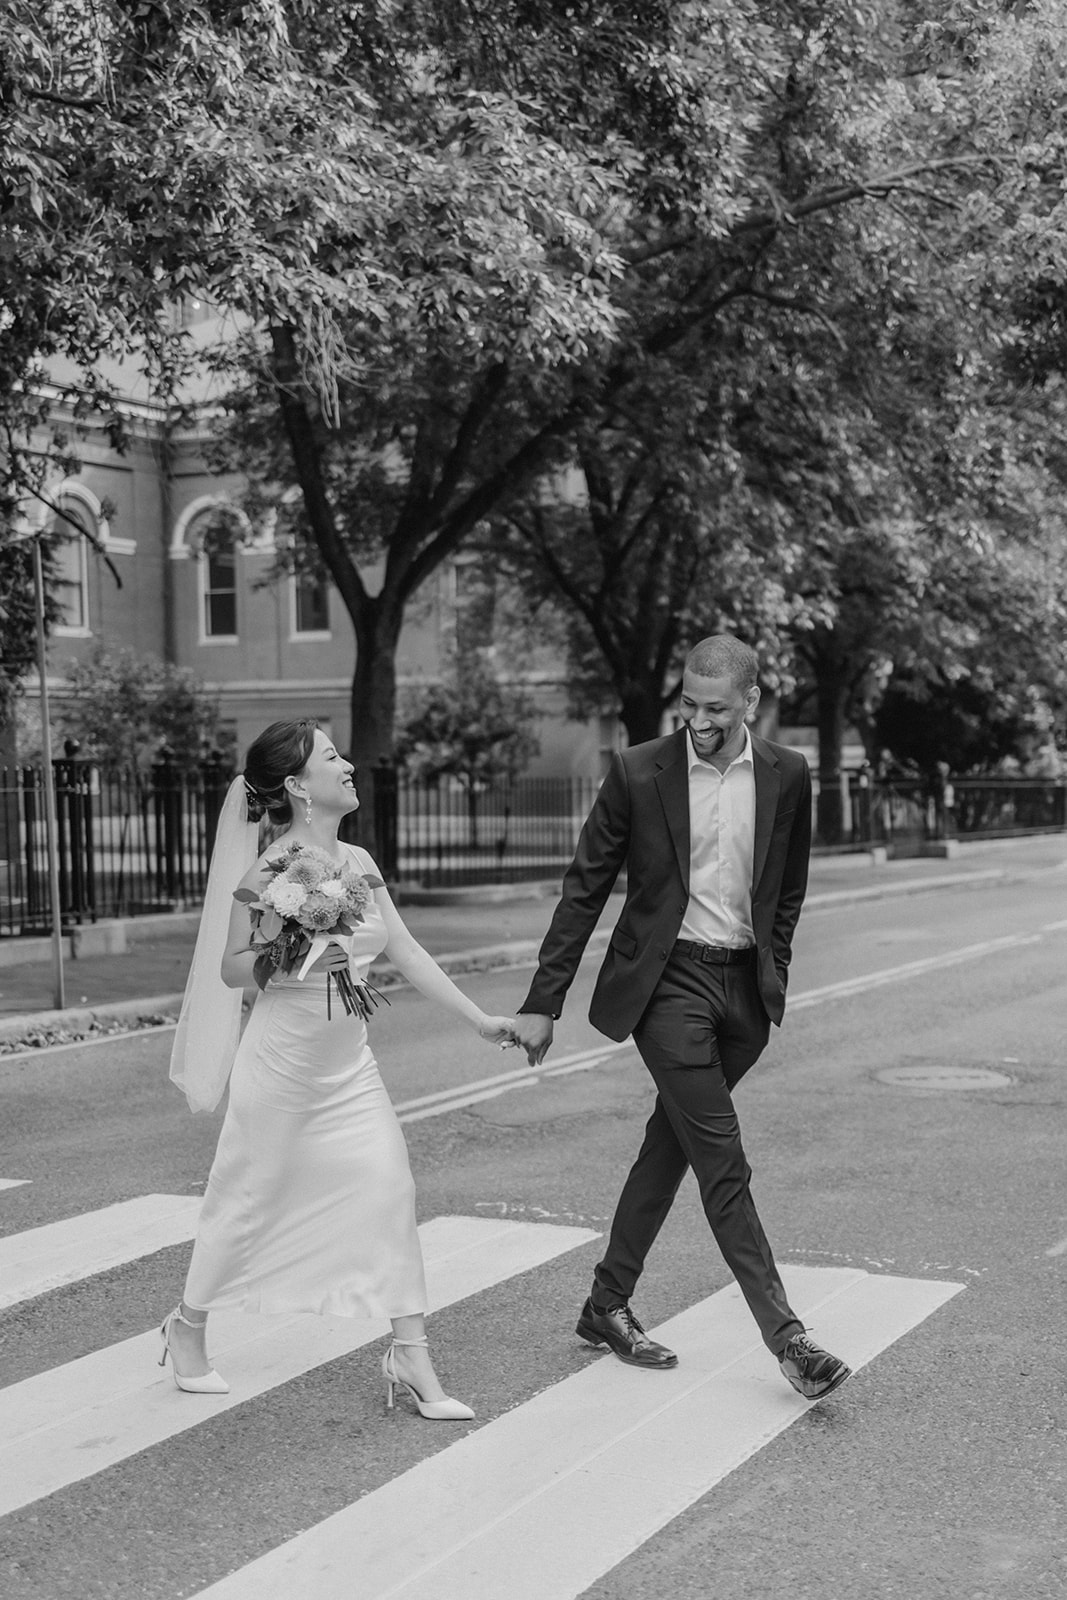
x,y
84,1021
885,891
93,1020
90,1020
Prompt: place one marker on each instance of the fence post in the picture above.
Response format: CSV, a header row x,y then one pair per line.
x,y
30,821
73,799
168,822
62,781
216,775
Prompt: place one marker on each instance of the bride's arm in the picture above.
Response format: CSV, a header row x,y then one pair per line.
x,y
422,971
237,959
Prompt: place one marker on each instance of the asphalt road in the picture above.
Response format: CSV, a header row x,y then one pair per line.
x,y
939,1470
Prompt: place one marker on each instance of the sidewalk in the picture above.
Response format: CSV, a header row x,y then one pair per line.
x,y
481,931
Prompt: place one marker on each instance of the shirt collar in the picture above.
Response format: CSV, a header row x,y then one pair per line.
x,y
744,756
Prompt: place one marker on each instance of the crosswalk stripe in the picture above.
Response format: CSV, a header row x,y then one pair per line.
x,y
14,1183
462,1524
75,1420
45,1258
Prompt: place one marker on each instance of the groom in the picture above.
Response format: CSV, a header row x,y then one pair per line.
x,y
713,829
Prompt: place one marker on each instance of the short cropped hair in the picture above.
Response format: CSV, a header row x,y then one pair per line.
x,y
723,656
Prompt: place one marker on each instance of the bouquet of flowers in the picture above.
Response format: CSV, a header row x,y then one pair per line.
x,y
308,903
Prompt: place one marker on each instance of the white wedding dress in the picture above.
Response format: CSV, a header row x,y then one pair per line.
x,y
310,1204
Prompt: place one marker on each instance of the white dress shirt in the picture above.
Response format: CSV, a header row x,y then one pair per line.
x,y
722,836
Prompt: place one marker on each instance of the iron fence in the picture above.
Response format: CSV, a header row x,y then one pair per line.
x,y
906,812
130,842
446,833
986,808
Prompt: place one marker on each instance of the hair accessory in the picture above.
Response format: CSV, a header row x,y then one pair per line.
x,y
255,802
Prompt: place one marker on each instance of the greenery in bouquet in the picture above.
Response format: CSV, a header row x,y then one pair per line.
x,y
308,901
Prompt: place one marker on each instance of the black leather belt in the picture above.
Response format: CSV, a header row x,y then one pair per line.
x,y
720,955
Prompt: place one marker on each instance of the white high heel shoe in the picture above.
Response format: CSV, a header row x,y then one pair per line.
x,y
446,1410
210,1383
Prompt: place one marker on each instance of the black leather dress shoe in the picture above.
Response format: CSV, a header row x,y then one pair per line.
x,y
620,1330
811,1371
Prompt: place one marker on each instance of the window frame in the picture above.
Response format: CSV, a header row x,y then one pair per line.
x,y
298,635
203,560
79,543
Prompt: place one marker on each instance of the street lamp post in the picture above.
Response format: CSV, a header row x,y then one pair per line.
x,y
51,828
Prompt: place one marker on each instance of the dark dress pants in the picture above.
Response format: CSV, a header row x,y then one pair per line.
x,y
703,1028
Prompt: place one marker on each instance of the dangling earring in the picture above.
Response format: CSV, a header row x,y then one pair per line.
x,y
307,811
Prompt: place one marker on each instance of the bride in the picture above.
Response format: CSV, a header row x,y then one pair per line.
x,y
310,1204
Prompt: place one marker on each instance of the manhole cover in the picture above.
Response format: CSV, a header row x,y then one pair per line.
x,y
927,1075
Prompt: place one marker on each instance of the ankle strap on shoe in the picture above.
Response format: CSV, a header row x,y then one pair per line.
x,y
177,1316
424,1341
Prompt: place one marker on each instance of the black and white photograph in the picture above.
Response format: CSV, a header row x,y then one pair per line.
x,y
533,800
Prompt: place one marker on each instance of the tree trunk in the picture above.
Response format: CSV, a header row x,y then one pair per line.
x,y
641,711
373,712
831,696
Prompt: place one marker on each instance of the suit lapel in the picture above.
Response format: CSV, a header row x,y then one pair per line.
x,y
768,786
672,782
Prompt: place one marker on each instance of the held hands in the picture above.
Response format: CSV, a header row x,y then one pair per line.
x,y
533,1033
498,1030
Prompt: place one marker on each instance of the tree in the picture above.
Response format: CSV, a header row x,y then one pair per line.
x,y
470,727
596,184
657,537
123,710
462,235
18,623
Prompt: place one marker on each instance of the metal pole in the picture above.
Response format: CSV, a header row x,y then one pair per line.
x,y
49,783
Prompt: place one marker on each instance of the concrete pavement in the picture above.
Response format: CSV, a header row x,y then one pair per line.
x,y
468,930
944,1450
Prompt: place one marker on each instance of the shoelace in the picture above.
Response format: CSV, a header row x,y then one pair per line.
x,y
801,1345
632,1324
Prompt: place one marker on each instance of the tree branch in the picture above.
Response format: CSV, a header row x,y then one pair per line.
x,y
474,418
308,465
71,101
65,516
823,200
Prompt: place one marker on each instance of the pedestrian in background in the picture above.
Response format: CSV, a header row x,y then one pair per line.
x,y
713,829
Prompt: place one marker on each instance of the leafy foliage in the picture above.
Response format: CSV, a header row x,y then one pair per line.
x,y
123,709
461,250
471,727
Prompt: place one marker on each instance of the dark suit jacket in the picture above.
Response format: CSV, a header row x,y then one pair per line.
x,y
640,821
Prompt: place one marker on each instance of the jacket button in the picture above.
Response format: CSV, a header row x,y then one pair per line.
x,y
663,955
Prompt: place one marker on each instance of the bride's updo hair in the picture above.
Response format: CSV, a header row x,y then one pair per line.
x,y
281,751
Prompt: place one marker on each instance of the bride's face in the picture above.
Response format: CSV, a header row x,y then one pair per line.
x,y
327,780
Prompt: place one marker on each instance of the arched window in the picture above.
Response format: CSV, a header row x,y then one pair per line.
x,y
213,533
70,563
218,583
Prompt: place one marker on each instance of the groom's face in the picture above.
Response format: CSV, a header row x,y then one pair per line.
x,y
714,710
